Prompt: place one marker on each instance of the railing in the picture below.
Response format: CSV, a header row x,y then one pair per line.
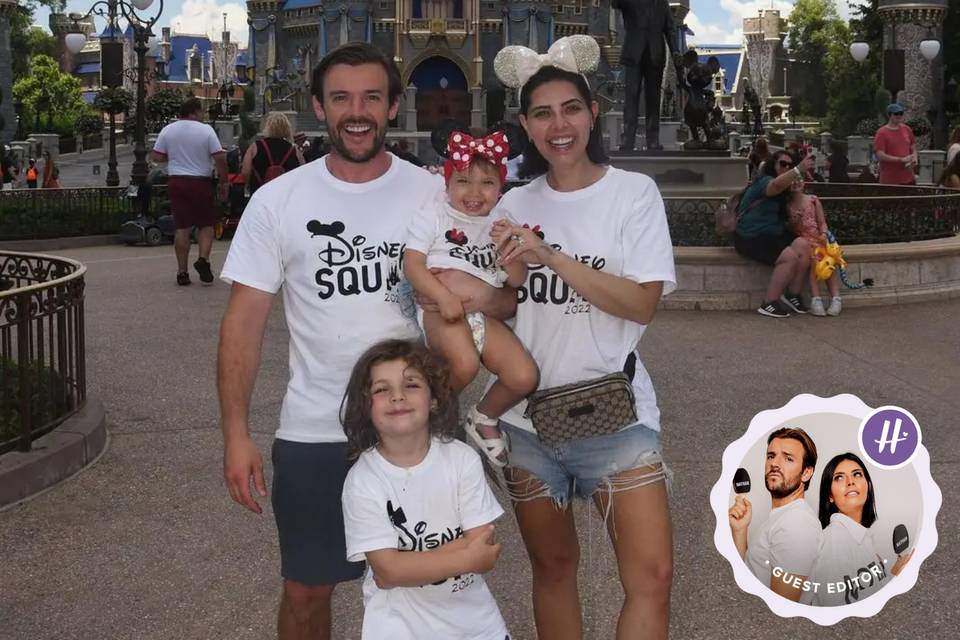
x,y
29,214
42,348
877,215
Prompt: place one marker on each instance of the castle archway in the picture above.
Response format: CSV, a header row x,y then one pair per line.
x,y
442,92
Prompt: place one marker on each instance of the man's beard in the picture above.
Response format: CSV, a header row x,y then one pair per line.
x,y
786,488
337,141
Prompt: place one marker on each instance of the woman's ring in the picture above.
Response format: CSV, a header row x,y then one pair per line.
x,y
516,237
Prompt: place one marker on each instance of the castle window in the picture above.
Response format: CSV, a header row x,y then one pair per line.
x,y
578,10
491,6
384,6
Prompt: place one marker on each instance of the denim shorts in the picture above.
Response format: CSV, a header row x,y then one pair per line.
x,y
584,466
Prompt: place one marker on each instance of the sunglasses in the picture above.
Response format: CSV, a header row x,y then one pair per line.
x,y
896,113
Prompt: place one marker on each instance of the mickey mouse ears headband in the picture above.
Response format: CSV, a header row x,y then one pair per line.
x,y
515,65
439,137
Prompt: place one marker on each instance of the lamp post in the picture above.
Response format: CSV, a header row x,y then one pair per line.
x,y
141,34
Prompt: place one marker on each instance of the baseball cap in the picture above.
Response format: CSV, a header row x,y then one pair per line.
x,y
895,108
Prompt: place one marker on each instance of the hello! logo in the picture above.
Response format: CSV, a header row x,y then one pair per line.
x,y
890,437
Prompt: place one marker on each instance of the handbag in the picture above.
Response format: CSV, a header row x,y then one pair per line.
x,y
728,215
594,407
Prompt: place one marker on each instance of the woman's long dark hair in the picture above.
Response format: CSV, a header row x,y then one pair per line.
x,y
534,164
355,406
770,166
828,508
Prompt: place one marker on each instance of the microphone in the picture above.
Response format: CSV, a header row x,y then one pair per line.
x,y
901,539
741,483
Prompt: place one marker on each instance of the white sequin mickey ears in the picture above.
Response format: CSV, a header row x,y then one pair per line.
x,y
514,65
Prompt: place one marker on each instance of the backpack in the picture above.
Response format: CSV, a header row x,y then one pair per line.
x,y
274,169
729,213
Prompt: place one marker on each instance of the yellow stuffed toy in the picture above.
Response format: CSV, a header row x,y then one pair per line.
x,y
830,258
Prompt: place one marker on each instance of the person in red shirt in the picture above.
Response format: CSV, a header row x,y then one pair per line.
x,y
896,148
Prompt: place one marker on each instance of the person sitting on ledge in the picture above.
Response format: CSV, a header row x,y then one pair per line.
x,y
951,174
762,234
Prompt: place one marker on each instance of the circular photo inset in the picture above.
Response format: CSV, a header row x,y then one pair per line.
x,y
811,524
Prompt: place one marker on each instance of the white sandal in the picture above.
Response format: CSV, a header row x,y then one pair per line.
x,y
492,448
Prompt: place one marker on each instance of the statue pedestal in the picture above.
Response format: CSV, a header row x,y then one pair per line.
x,y
227,130
47,142
858,150
703,173
932,163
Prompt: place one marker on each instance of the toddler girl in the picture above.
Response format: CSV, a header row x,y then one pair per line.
x,y
805,218
460,234
416,505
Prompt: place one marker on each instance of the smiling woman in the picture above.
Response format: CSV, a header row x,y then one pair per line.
x,y
593,285
848,567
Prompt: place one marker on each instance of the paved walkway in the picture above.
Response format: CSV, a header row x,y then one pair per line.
x,y
147,544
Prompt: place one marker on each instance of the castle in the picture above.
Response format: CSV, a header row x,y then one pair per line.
x,y
443,47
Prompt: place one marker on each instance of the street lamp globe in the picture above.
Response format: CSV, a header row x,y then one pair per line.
x,y
860,51
929,48
141,4
75,42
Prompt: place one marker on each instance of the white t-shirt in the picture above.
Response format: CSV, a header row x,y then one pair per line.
x,y
453,240
952,151
848,567
617,225
188,145
335,248
418,509
789,539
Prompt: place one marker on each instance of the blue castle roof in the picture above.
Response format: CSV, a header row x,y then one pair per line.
x,y
180,47
300,4
729,62
87,67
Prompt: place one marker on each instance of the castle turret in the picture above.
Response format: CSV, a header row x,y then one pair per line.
x,y
764,35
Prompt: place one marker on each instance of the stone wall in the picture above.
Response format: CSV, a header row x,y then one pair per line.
x,y
718,279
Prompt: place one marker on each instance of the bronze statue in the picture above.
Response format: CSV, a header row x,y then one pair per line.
x,y
650,32
701,114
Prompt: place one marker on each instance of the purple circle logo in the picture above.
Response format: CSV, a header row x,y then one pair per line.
x,y
890,437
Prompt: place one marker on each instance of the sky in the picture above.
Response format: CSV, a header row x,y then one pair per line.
x,y
712,21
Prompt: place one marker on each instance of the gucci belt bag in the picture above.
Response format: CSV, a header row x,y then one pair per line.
x,y
582,409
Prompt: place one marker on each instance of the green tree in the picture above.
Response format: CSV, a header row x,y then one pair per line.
x,y
50,91
88,124
850,87
162,107
814,25
28,41
115,101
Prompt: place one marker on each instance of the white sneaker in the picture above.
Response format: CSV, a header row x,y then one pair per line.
x,y
495,449
835,305
816,306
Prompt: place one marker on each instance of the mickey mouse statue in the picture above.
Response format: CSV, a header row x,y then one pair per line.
x,y
699,114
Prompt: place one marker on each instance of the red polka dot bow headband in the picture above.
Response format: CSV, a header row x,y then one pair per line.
x,y
462,148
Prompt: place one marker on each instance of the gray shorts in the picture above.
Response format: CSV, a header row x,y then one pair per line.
x,y
307,483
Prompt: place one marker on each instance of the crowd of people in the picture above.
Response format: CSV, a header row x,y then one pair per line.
x,y
32,176
780,225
